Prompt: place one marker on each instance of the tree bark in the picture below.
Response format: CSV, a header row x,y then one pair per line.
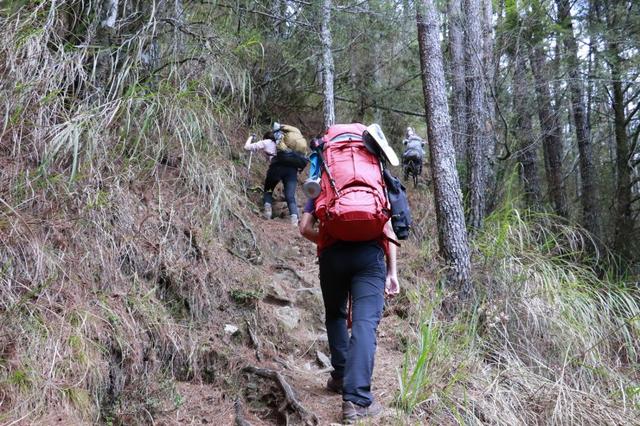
x,y
477,108
488,47
458,87
551,141
110,13
624,220
588,187
329,113
278,10
526,156
452,235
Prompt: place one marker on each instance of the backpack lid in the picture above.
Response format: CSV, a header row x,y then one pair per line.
x,y
351,131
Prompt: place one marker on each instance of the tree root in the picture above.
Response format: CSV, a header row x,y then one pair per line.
x,y
290,400
255,340
240,421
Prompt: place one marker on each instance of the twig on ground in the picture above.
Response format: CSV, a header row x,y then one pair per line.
x,y
307,417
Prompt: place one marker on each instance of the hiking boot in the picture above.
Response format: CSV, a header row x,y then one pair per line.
x,y
294,219
267,211
352,412
334,385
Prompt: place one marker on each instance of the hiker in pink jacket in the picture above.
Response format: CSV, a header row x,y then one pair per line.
x,y
278,171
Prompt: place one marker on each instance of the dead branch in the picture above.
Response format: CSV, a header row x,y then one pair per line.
x,y
240,421
255,341
382,107
291,401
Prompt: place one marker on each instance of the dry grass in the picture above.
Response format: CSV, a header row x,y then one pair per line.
x,y
112,210
552,342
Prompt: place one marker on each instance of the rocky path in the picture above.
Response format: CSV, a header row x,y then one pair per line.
x,y
293,298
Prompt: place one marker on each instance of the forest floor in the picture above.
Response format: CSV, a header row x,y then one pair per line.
x,y
203,403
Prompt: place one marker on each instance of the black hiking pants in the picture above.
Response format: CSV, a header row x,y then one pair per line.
x,y
358,268
289,177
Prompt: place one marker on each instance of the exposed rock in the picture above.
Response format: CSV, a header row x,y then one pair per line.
x,y
324,360
277,291
231,329
289,317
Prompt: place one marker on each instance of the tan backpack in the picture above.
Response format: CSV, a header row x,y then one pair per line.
x,y
292,140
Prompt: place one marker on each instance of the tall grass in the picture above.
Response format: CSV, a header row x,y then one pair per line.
x,y
557,340
111,144
426,369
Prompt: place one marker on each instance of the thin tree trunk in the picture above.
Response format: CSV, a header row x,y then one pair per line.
x,y
527,150
102,28
624,219
452,235
476,124
110,13
178,41
588,187
329,113
551,141
488,46
458,88
278,10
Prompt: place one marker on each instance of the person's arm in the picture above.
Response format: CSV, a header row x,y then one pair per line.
x,y
255,146
307,227
391,285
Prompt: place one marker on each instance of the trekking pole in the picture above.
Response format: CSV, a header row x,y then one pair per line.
x,y
253,138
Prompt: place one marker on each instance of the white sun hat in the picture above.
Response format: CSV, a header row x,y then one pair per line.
x,y
380,139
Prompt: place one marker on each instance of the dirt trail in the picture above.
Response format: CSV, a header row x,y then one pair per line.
x,y
292,262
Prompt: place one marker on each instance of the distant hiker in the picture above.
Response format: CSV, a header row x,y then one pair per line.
x,y
352,237
413,153
283,167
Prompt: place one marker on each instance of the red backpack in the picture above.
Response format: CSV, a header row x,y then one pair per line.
x,y
352,205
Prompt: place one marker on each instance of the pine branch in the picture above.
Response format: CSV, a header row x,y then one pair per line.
x,y
382,107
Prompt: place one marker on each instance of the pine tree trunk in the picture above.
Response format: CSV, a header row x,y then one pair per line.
x,y
551,141
588,188
278,11
329,113
488,47
458,87
624,219
526,156
102,29
452,234
477,114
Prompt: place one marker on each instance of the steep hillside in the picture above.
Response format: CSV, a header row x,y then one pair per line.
x,y
140,296
135,299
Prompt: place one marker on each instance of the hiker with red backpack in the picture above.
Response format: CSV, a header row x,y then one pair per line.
x,y
284,165
357,261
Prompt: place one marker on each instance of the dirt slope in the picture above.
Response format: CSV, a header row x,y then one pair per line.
x,y
292,293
